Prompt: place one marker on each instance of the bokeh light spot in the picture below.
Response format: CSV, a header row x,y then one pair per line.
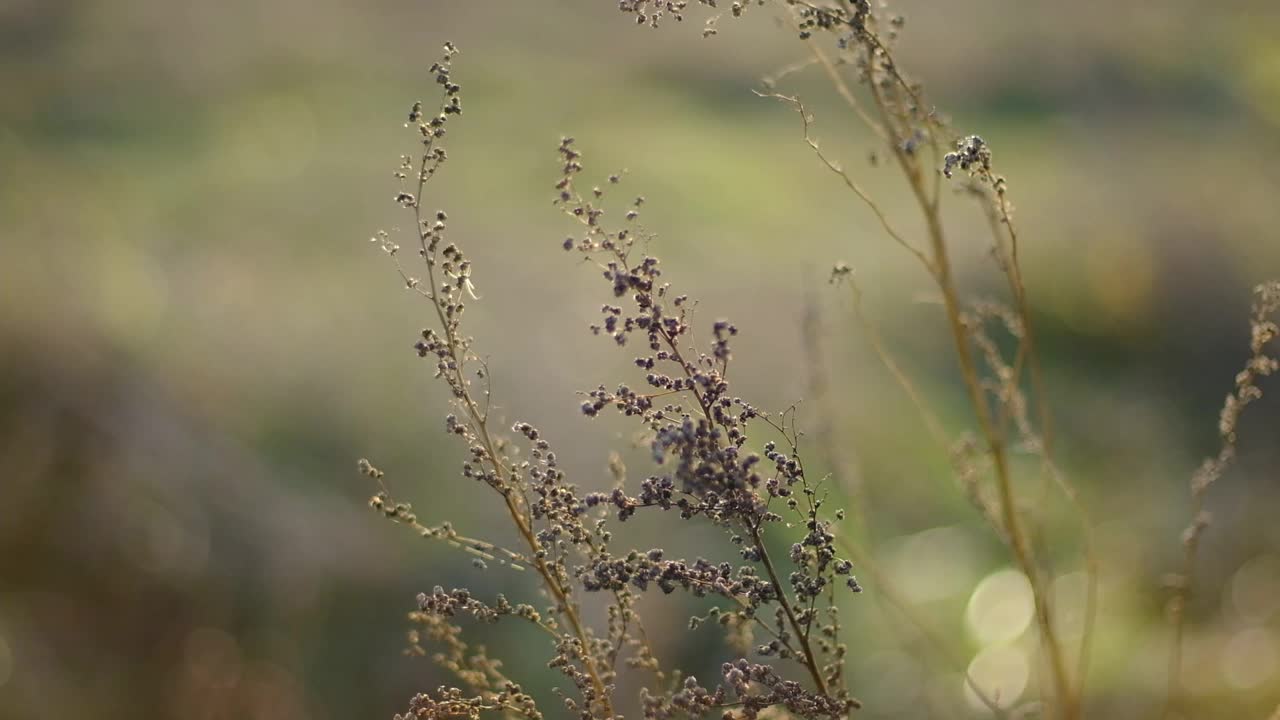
x,y
1254,591
1002,673
1000,608
935,563
1249,659
1070,595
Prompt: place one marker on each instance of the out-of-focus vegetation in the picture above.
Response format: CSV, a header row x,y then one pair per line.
x,y
196,343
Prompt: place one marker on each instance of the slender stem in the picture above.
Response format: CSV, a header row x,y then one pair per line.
x,y
1016,534
801,636
999,215
1246,391
552,581
1013,528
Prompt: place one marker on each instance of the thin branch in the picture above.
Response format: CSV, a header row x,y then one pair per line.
x,y
848,180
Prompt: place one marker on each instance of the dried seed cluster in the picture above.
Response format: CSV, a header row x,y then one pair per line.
x,y
706,470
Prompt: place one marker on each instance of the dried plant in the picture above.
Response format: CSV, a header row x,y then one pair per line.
x,y
1262,332
782,611
706,473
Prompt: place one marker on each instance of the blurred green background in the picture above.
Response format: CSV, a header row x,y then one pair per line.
x,y
197,341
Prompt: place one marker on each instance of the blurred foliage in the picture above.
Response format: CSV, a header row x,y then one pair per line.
x,y
196,345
